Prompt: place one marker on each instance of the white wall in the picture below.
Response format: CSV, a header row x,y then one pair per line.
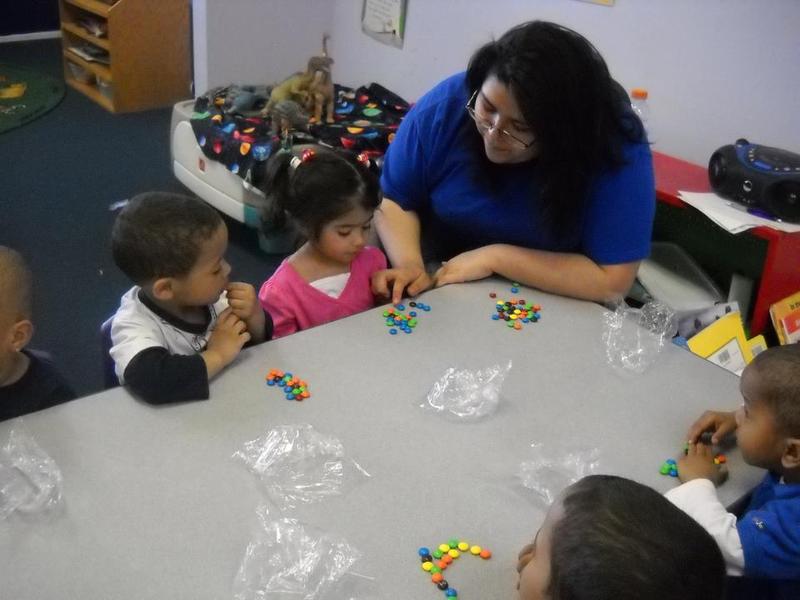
x,y
716,69
256,41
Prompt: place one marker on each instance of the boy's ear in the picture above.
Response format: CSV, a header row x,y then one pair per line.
x,y
791,455
21,334
164,288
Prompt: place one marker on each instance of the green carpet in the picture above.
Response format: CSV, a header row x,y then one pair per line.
x,y
26,95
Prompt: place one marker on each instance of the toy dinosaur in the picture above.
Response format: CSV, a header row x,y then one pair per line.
x,y
287,115
294,88
320,90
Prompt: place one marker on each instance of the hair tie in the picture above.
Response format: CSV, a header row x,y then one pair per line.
x,y
363,159
307,155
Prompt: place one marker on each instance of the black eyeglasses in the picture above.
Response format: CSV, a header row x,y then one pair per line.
x,y
485,125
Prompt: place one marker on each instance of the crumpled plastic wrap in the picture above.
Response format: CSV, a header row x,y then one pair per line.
x,y
467,395
289,560
633,337
299,465
30,481
551,470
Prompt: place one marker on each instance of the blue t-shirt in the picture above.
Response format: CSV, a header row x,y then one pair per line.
x,y
429,168
770,531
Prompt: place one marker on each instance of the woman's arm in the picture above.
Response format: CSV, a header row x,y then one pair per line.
x,y
399,231
573,275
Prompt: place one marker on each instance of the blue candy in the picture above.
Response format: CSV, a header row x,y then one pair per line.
x,y
424,551
400,306
270,382
393,331
495,317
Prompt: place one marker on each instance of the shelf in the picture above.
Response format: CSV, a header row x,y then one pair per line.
x,y
101,9
92,92
102,71
80,32
146,47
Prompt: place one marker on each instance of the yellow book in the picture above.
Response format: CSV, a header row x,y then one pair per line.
x,y
724,343
785,315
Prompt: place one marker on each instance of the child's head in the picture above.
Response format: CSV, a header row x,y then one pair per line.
x,y
172,246
612,538
330,195
768,431
16,328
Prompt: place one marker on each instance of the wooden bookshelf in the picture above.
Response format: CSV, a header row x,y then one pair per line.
x,y
148,47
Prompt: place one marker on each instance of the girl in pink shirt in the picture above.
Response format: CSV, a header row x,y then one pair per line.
x,y
330,196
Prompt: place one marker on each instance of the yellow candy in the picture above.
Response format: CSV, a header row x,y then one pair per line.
x,y
444,547
517,311
512,317
355,130
463,546
475,550
427,566
454,553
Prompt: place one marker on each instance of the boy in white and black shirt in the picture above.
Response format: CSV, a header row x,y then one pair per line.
x,y
183,321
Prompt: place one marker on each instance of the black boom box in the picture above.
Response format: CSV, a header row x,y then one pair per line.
x,y
764,178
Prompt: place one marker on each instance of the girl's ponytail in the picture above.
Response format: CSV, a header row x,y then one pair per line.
x,y
278,192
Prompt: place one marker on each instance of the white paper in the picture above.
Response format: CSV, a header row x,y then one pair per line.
x,y
730,215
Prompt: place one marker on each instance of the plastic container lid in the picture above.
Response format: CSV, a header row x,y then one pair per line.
x,y
671,276
639,93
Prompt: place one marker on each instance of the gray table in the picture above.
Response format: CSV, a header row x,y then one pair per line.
x,y
155,507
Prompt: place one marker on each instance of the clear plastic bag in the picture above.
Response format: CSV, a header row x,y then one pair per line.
x,y
30,481
466,395
288,560
551,470
633,337
299,465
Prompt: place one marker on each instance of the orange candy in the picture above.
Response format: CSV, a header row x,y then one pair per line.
x,y
486,553
436,577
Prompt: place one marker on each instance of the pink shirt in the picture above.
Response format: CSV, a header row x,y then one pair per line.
x,y
295,305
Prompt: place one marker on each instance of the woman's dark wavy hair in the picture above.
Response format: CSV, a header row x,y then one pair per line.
x,y
621,540
318,191
580,115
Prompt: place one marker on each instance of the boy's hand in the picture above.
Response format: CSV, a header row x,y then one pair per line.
x,y
244,303
699,464
525,556
719,424
225,342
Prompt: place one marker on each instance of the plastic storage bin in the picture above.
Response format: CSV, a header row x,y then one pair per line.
x,y
671,276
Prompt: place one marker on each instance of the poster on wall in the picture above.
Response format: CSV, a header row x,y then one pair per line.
x,y
385,21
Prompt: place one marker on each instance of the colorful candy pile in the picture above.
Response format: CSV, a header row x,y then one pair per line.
x,y
396,319
516,311
294,388
670,466
436,562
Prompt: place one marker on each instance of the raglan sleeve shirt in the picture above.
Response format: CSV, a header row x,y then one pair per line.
x,y
765,541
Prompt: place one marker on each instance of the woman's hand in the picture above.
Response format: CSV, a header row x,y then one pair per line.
x,y
467,266
392,282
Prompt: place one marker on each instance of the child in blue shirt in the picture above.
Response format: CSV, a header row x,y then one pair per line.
x,y
763,542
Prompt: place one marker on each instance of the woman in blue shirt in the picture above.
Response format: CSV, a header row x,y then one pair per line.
x,y
530,165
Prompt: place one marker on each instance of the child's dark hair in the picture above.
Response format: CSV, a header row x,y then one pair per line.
x,y
160,234
316,190
779,368
620,540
